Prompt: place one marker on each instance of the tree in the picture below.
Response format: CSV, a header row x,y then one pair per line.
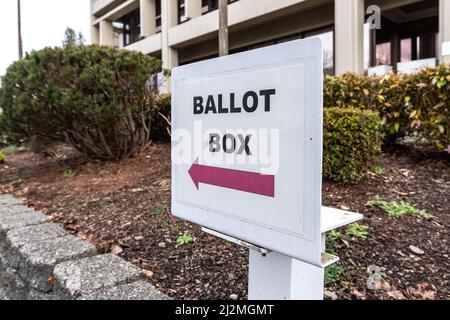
x,y
71,38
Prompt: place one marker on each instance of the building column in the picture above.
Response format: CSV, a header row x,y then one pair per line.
x,y
95,32
106,33
193,8
169,55
444,30
349,36
148,17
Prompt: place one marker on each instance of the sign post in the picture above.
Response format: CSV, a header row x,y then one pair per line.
x,y
247,162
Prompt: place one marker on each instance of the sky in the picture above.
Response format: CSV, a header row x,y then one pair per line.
x,y
43,25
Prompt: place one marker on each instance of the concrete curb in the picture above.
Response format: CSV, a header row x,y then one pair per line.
x,y
39,260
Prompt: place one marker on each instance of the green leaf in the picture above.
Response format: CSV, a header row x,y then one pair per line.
x,y
441,83
185,239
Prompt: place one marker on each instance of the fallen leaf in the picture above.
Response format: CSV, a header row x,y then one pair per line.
x,y
422,292
396,295
346,243
116,249
82,235
383,285
359,295
51,281
344,208
147,273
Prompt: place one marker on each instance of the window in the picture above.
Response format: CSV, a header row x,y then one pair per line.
x,y
211,5
383,53
327,37
118,34
182,11
127,29
132,27
326,34
158,15
406,50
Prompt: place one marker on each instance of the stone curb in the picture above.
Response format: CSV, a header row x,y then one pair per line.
x,y
39,260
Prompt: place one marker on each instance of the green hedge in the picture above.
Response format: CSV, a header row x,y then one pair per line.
x,y
352,141
95,98
416,105
161,118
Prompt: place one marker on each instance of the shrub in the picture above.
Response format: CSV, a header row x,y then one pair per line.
x,y
416,105
95,98
430,115
352,141
2,157
387,95
161,118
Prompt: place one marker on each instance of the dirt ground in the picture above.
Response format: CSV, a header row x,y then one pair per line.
x,y
124,208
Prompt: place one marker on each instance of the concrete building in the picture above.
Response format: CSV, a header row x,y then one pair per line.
x,y
185,31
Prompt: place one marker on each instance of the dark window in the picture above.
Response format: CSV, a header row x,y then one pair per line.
x,y
211,5
128,29
326,34
182,11
131,27
118,34
158,15
408,33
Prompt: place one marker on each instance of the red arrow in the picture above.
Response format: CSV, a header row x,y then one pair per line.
x,y
233,179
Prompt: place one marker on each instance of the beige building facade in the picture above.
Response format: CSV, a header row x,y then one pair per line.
x,y
185,31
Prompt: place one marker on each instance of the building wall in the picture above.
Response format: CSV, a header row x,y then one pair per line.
x,y
250,22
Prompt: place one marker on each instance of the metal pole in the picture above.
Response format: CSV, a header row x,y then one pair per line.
x,y
279,277
223,28
19,29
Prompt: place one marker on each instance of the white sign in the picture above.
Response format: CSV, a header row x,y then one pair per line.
x,y
247,146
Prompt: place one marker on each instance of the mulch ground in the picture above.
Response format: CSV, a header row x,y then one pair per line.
x,y
124,208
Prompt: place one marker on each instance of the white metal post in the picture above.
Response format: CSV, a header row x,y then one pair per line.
x,y
279,277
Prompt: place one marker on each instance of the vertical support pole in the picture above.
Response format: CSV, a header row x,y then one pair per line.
x,y
373,48
444,29
395,49
106,33
193,8
19,29
414,55
223,28
148,17
95,34
95,29
169,54
349,38
279,277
